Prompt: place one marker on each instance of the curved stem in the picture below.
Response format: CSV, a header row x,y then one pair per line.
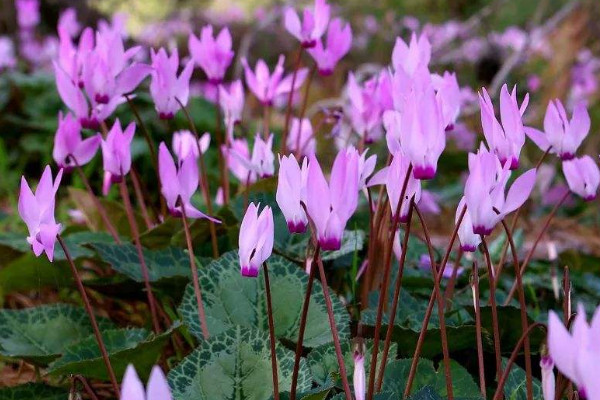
x,y
101,210
334,331
440,302
90,312
288,112
138,246
139,195
513,357
495,326
203,181
271,332
480,362
397,288
86,386
440,273
385,284
195,280
535,243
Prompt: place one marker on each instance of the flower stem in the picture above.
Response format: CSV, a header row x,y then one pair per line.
x,y
334,331
477,308
139,195
288,112
303,316
266,122
535,243
449,292
392,313
203,181
440,302
523,310
513,357
271,333
300,146
138,246
101,210
385,283
195,280
440,272
90,312
495,326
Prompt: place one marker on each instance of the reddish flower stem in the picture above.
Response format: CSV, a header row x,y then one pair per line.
x,y
90,312
194,268
535,243
480,362
288,112
266,122
495,325
440,302
449,292
138,246
423,333
139,195
101,210
271,332
385,284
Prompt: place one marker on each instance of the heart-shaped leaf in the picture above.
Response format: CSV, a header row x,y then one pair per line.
x,y
33,391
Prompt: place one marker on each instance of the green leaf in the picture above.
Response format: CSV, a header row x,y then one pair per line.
x,y
29,272
396,376
425,393
515,387
231,299
33,391
323,360
41,334
234,365
165,263
124,346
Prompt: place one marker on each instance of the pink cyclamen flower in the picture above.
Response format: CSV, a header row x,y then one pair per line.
x,y
484,190
449,95
184,143
262,162
67,22
70,57
576,354
133,389
291,192
70,149
422,132
300,138
425,264
179,183
364,107
166,88
412,56
266,86
366,166
116,154
339,41
257,233
28,13
548,379
330,206
231,101
583,176
563,135
37,211
238,159
393,178
468,239
312,26
359,378
213,55
506,139
7,53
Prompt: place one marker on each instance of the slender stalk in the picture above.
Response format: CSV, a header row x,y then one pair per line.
x,y
138,246
195,280
139,195
288,112
535,243
266,122
513,357
495,326
271,332
203,181
523,310
90,312
440,302
101,210
513,224
397,288
440,273
300,146
334,331
145,132
385,284
303,316
449,292
478,330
